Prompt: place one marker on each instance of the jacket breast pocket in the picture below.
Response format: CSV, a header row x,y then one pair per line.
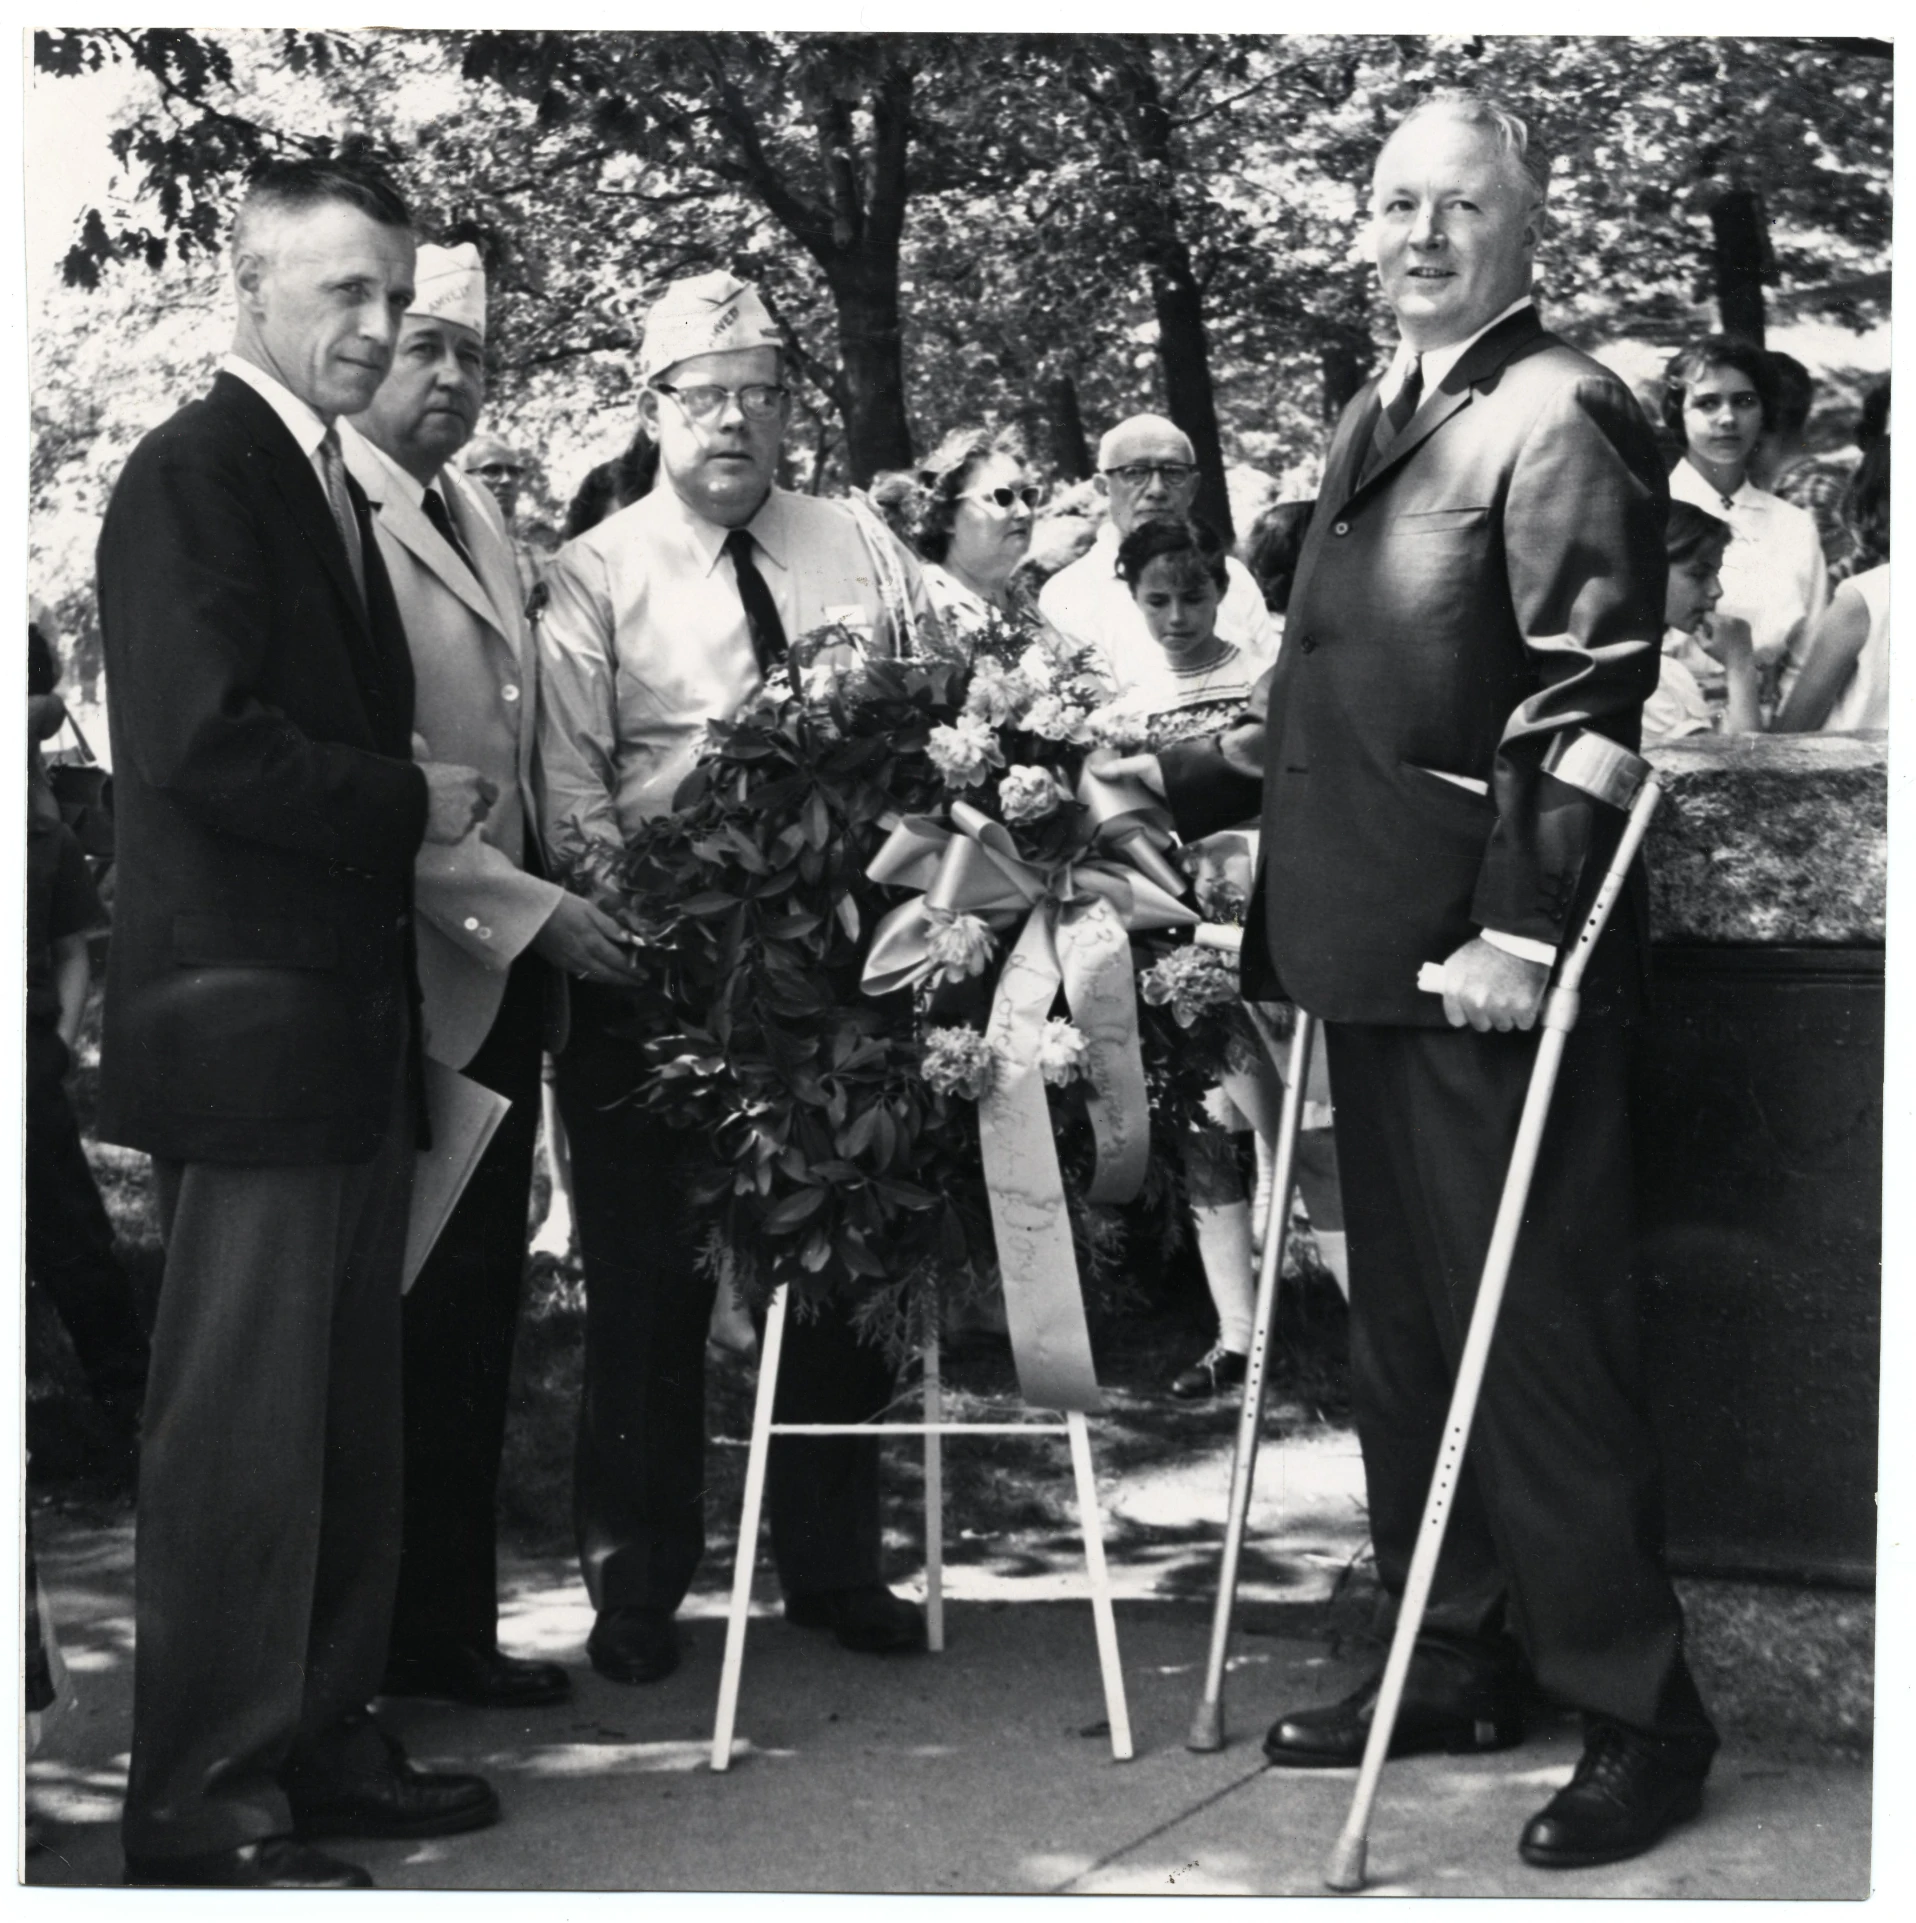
x,y
234,941
1439,520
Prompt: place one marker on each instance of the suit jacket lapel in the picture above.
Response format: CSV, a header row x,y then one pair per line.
x,y
292,474
1479,361
498,572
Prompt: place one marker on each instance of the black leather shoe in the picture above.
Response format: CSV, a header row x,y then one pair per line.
x,y
869,1618
633,1645
1451,1703
1216,1370
394,1798
277,1863
485,1678
1628,1792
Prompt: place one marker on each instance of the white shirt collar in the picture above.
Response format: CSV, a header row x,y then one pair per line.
x,y
1438,361
301,422
1689,483
407,486
769,527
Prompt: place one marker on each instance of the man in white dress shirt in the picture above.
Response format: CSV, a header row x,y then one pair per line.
x,y
491,930
665,616
1147,472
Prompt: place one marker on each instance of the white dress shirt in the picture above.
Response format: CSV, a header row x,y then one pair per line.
x,y
644,640
302,423
1438,361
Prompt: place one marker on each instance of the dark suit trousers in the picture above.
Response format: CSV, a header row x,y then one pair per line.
x,y
460,1318
268,1535
639,1481
1556,1527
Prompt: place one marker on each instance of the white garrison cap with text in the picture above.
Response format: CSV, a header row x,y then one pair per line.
x,y
450,285
712,313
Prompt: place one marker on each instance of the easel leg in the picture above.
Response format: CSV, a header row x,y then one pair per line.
x,y
1116,1713
772,1349
934,1499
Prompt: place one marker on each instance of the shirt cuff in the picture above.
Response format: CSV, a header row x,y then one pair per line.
x,y
1522,946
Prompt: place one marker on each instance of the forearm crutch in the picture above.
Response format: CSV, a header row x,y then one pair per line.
x,y
1207,1721
1610,773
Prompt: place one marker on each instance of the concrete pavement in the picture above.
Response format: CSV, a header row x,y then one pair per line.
x,y
984,1769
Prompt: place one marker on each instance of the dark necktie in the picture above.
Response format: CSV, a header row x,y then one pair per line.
x,y
761,611
1392,421
437,514
332,469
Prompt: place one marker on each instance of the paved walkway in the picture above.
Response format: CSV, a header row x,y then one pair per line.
x,y
985,1769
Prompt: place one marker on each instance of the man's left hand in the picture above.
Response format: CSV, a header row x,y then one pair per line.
x,y
1488,987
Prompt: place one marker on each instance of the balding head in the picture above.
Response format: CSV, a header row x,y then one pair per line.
x,y
1148,470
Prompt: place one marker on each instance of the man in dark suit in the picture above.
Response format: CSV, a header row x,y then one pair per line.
x,y
1484,572
260,1044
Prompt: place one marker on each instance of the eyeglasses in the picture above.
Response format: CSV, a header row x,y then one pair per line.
x,y
497,471
758,401
1004,496
1747,402
1143,473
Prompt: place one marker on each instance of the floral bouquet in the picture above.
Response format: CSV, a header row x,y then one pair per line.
x,y
921,987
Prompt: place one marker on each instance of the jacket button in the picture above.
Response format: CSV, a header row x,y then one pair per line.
x,y
404,921
1341,527
472,924
1308,642
509,692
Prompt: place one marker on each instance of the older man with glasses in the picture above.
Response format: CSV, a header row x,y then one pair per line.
x,y
1148,472
667,615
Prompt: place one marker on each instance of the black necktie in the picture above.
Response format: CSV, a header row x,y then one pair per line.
x,y
761,611
436,513
1394,418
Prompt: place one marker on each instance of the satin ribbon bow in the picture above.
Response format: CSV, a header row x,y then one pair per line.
x,y
1075,919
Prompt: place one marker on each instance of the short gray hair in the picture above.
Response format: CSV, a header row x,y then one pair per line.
x,y
1510,133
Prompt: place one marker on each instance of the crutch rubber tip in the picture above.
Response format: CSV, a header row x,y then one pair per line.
x,y
1346,1871
1207,1727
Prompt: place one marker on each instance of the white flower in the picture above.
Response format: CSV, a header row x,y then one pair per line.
x,y
965,752
1064,1053
1029,794
962,946
1037,668
1052,718
959,1061
1120,724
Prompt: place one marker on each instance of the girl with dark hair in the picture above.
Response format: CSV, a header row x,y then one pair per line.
x,y
1719,397
1708,678
1175,571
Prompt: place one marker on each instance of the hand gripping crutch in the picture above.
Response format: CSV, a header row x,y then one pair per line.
x,y
1207,1722
1610,773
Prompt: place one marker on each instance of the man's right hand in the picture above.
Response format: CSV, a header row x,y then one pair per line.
x,y
457,799
585,941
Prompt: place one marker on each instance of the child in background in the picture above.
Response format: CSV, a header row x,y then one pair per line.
x,y
1709,679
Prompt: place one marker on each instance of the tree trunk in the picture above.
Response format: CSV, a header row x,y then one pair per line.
x,y
1184,351
1064,422
1741,261
871,351
1346,362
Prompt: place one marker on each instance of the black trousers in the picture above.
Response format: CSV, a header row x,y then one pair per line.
x,y
639,1482
460,1317
69,1241
1556,1529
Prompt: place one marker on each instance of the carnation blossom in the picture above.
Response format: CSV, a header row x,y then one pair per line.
x,y
1193,980
958,1061
964,752
1053,718
1121,724
1064,1053
1028,793
962,946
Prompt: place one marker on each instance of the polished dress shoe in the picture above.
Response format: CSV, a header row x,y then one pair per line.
x,y
633,1645
1451,1703
868,1618
485,1678
1216,1370
1627,1793
273,1863
392,1798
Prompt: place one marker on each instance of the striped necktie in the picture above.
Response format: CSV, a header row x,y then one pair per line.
x,y
332,469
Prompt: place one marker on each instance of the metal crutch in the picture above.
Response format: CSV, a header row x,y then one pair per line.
x,y
1611,773
1207,1722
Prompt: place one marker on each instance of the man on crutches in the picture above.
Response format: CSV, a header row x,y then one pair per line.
x,y
1481,586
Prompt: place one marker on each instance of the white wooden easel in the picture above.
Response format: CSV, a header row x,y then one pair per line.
x,y
933,1428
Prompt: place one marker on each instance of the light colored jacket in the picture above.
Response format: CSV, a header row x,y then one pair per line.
x,y
477,676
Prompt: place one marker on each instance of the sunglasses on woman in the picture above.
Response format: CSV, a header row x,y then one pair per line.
x,y
1005,496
